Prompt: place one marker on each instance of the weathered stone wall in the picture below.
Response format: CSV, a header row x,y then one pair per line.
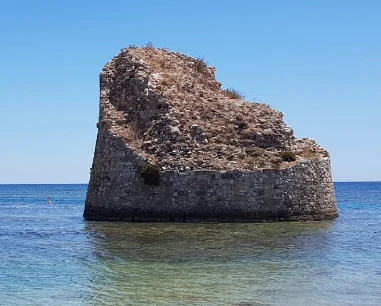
x,y
117,191
220,156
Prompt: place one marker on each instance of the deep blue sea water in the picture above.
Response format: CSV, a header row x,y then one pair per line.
x,y
50,256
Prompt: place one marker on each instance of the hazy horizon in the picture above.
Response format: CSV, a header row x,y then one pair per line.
x,y
87,183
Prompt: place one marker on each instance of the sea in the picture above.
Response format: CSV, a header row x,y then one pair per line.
x,y
49,255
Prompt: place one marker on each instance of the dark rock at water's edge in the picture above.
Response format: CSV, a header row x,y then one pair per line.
x,y
173,146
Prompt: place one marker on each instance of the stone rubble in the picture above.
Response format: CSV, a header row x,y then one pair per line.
x,y
218,156
170,109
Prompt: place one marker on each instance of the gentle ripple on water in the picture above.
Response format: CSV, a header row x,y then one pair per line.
x,y
50,256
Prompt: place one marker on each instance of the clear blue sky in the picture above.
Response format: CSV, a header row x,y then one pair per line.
x,y
319,62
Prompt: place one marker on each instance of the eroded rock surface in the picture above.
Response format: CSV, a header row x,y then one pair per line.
x,y
170,108
167,109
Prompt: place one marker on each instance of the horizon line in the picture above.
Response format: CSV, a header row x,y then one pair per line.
x,y
88,183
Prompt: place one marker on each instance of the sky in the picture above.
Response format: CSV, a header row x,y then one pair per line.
x,y
318,62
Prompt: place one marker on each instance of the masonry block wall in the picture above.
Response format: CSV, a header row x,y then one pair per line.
x,y
117,192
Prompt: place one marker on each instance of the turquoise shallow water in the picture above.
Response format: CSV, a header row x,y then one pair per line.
x,y
50,256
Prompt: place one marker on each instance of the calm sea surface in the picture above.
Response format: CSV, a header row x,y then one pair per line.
x,y
50,256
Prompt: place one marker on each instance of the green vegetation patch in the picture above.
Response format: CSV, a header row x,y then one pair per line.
x,y
288,156
200,65
151,174
233,94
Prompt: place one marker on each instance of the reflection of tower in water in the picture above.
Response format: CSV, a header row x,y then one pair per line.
x,y
146,262
202,241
